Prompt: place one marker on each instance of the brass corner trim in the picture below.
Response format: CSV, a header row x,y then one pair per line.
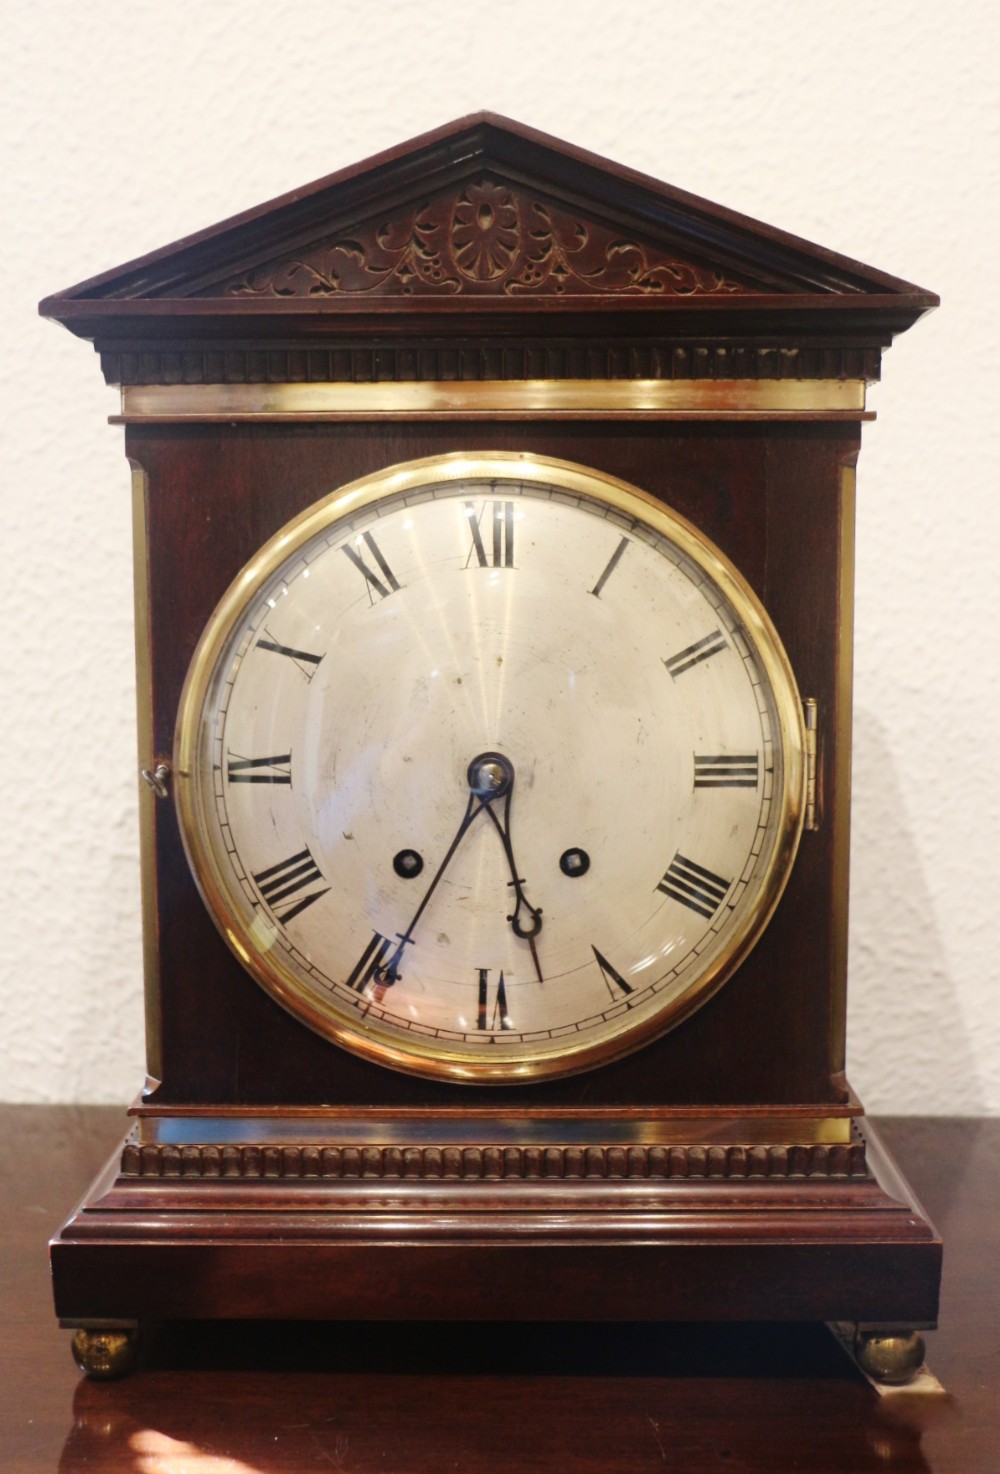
x,y
148,868
556,398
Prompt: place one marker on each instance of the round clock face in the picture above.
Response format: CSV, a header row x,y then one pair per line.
x,y
490,768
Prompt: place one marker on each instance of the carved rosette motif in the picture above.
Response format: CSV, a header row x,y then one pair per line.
x,y
485,232
469,1163
482,238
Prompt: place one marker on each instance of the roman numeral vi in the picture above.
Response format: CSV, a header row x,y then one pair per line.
x,y
497,1017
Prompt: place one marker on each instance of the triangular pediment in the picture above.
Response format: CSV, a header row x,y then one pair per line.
x,y
487,226
485,207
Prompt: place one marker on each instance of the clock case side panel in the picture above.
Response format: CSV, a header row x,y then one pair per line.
x,y
813,524
773,496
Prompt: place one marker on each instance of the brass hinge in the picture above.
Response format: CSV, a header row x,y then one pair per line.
x,y
811,718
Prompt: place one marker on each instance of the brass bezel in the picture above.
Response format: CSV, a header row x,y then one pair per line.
x,y
447,1062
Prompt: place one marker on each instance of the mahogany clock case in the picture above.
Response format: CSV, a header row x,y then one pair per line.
x,y
486,288
774,498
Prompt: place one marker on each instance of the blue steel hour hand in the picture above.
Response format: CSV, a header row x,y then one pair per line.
x,y
490,777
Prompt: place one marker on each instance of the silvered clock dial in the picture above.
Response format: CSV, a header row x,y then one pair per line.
x,y
490,768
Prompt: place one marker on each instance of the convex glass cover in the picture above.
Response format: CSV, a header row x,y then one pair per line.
x,y
490,767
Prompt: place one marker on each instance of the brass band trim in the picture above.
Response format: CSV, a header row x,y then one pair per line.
x,y
147,802
555,397
841,737
474,1131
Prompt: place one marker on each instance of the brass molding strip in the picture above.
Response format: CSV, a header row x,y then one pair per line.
x,y
473,1131
539,398
147,816
840,735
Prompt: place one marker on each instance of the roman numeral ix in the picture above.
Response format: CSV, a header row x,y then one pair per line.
x,y
694,886
260,769
281,885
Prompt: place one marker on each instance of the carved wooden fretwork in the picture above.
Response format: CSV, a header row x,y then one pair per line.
x,y
483,238
350,1162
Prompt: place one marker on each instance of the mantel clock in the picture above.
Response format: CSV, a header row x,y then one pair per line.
x,y
494,523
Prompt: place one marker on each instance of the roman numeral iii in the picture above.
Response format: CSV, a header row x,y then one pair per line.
x,y
695,887
725,771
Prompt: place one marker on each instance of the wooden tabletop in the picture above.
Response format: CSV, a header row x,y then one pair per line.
x,y
398,1398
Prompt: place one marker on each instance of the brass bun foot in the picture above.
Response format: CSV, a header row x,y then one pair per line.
x,y
106,1354
891,1356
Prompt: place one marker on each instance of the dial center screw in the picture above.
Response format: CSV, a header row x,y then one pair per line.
x,y
490,774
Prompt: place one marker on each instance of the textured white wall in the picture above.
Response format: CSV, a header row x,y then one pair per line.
x,y
870,129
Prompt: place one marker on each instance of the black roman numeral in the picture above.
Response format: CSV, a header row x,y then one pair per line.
x,y
723,771
499,553
499,1017
260,769
700,650
372,579
302,658
613,562
612,978
280,885
694,886
377,964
